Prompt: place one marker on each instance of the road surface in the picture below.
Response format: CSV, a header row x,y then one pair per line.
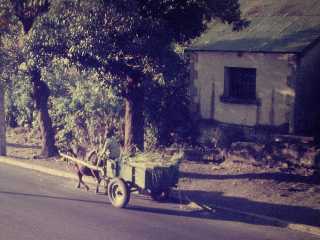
x,y
36,206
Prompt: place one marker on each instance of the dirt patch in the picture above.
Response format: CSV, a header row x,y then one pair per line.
x,y
25,144
245,178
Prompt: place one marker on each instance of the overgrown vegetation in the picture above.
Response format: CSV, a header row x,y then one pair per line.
x,y
83,108
88,66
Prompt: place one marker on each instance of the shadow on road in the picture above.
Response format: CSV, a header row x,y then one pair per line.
x,y
158,209
52,197
293,214
288,213
217,215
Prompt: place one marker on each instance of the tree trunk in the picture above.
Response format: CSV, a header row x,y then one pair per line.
x,y
41,94
134,119
3,151
48,148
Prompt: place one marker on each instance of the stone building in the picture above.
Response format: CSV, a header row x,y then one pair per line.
x,y
266,76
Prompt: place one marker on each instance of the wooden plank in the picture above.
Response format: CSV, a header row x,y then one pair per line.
x,y
84,163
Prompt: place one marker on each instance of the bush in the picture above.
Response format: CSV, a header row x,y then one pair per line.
x,y
82,107
18,102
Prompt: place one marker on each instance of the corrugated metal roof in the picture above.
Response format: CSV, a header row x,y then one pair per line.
x,y
275,26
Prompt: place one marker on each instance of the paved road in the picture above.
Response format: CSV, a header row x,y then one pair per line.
x,y
35,206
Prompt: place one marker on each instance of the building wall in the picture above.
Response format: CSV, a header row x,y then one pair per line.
x,y
307,112
275,72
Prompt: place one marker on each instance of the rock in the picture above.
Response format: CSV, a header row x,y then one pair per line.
x,y
246,149
285,165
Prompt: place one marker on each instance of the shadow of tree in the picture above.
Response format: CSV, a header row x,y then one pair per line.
x,y
186,211
218,215
51,197
159,209
288,213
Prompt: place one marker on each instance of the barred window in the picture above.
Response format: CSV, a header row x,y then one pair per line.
x,y
239,85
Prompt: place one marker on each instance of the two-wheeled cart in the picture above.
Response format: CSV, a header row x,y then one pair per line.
x,y
122,178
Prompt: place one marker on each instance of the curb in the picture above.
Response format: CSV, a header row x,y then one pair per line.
x,y
35,167
292,226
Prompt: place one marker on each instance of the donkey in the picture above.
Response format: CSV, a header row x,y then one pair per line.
x,y
92,157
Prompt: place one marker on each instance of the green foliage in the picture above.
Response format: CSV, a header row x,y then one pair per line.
x,y
82,107
9,42
28,10
100,43
167,107
18,102
124,37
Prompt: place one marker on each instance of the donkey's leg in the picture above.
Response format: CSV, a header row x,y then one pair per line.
x,y
85,185
96,175
98,184
80,175
79,179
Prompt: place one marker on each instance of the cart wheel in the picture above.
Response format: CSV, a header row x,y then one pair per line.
x,y
160,195
118,193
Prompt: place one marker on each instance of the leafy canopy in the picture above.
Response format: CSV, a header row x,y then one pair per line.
x,y
128,37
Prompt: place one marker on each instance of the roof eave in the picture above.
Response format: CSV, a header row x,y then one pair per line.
x,y
242,51
310,46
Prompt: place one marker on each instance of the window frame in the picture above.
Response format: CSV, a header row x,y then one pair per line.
x,y
229,83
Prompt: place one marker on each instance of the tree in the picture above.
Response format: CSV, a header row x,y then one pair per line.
x,y
3,55
2,123
27,11
132,41
7,47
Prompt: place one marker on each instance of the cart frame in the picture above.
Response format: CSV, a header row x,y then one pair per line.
x,y
118,187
